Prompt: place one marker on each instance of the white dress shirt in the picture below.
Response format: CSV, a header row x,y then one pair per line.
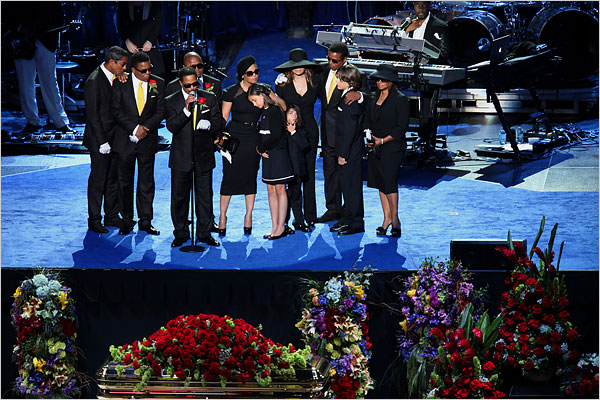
x,y
109,75
418,33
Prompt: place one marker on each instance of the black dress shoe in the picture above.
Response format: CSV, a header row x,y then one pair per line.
x,y
397,232
328,216
66,129
178,242
97,227
149,229
351,231
115,221
288,230
125,229
338,227
311,224
209,240
30,128
214,228
302,228
247,230
283,234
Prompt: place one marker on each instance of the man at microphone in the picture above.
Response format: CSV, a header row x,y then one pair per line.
x,y
194,119
424,25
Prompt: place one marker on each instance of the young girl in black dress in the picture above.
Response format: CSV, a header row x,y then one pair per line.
x,y
273,147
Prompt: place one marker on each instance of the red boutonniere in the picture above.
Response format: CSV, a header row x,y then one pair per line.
x,y
153,86
209,87
202,102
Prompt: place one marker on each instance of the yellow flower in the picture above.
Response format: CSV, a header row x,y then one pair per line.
x,y
333,371
415,282
427,299
38,364
348,283
62,297
17,292
412,292
403,325
359,292
329,347
315,301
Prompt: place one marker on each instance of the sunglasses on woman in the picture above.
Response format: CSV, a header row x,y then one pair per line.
x,y
250,73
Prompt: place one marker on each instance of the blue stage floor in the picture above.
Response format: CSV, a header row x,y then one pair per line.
x,y
44,208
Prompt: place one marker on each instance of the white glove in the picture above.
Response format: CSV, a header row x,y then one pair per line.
x,y
280,79
203,124
105,148
368,134
134,138
226,155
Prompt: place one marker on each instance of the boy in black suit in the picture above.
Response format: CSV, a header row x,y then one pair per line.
x,y
98,138
195,120
138,108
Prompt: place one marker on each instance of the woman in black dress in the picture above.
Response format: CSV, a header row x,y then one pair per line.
x,y
296,85
273,147
386,123
239,175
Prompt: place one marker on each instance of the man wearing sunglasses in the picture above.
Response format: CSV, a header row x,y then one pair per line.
x,y
330,96
207,82
138,108
195,120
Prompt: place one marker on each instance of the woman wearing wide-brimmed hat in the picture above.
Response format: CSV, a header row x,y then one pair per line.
x,y
295,85
239,174
387,114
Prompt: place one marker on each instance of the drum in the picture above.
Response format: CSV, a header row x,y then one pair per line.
x,y
390,20
574,33
471,37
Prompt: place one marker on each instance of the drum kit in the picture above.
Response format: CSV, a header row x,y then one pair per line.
x,y
570,27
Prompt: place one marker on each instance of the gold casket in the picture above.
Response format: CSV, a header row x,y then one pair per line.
x,y
311,382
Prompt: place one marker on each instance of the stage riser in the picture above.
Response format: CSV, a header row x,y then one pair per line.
x,y
119,306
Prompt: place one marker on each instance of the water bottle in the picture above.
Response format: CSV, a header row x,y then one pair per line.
x,y
520,138
502,137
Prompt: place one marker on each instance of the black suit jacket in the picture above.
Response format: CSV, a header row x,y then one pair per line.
x,y
392,118
215,88
100,124
436,33
329,111
125,113
348,137
297,146
180,126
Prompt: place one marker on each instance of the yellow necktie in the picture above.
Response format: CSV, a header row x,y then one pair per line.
x,y
114,76
140,99
194,118
332,86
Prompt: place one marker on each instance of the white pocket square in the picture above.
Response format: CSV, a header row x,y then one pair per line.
x,y
205,111
340,109
437,36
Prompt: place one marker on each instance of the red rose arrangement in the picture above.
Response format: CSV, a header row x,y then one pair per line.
x,y
209,348
582,378
535,333
461,370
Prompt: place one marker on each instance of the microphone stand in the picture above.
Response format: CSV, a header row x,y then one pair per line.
x,y
193,248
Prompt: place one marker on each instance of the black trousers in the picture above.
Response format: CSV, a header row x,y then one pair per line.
x,y
144,196
103,183
181,184
351,183
333,191
308,185
294,195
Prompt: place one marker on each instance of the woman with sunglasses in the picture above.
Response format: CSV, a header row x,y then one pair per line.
x,y
239,174
296,85
273,147
386,122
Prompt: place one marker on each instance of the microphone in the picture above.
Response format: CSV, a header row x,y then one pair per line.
x,y
193,103
405,23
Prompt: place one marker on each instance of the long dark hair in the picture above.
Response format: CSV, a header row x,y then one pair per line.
x,y
297,109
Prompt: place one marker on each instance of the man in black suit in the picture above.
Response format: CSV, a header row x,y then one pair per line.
x,y
98,139
435,31
138,108
195,120
330,95
207,82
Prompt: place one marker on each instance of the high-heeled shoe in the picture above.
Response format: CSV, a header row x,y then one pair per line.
x,y
222,232
397,232
381,231
247,230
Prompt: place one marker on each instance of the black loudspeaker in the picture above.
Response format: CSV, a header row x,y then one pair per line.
x,y
481,254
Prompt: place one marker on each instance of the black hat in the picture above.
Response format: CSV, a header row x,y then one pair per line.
x,y
298,59
243,65
386,72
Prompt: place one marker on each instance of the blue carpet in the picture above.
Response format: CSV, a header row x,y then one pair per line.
x,y
44,216
44,224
